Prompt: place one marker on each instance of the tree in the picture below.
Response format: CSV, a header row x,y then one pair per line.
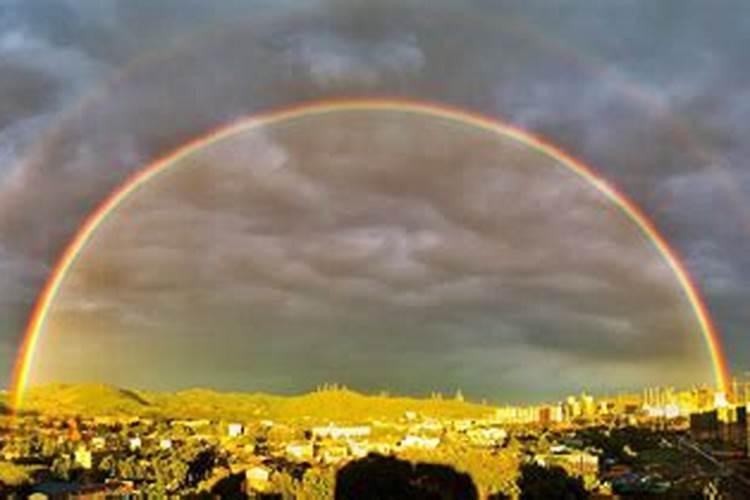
x,y
49,447
317,483
200,467
283,484
107,464
543,445
549,483
61,467
377,477
13,475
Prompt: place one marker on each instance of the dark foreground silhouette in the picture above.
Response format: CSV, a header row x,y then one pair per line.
x,y
384,478
549,483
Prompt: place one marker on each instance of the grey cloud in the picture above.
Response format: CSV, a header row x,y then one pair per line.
x,y
716,250
647,110
18,274
332,60
311,233
42,79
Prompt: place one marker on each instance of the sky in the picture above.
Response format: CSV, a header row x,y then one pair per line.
x,y
434,262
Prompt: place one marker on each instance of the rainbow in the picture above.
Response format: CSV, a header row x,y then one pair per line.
x,y
35,326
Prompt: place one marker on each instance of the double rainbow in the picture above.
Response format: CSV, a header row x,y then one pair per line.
x,y
35,327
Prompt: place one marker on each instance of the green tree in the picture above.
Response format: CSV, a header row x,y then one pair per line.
x,y
108,465
13,475
317,483
49,447
61,467
284,485
549,483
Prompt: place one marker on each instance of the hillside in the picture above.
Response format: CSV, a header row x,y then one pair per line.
x,y
85,399
338,405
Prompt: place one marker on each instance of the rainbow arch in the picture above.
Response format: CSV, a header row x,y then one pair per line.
x,y
38,316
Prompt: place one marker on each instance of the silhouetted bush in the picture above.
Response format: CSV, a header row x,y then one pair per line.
x,y
231,487
549,483
384,478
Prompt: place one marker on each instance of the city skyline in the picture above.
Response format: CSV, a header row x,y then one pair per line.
x,y
104,439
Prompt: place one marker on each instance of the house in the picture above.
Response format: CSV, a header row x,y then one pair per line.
x,y
235,430
333,454
134,443
336,432
487,436
257,479
411,441
302,450
358,449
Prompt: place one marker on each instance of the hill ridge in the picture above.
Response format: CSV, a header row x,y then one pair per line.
x,y
339,404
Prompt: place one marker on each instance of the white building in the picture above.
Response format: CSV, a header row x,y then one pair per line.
x,y
720,400
300,450
134,443
335,432
665,411
235,430
487,436
411,441
258,478
358,449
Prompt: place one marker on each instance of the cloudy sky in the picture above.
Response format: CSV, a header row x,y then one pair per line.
x,y
378,250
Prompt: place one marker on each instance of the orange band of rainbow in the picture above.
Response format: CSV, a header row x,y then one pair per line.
x,y
32,334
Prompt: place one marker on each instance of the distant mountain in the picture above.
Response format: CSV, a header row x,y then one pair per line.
x,y
339,405
85,399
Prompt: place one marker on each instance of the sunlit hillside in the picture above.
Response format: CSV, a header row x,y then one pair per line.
x,y
332,404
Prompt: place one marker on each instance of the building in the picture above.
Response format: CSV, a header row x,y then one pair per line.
x,y
235,430
664,411
333,454
300,450
588,406
704,426
257,479
336,432
358,449
134,443
431,425
550,414
487,436
572,408
727,424
517,415
411,441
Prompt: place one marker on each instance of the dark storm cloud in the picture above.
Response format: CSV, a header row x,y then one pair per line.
x,y
332,60
653,95
356,233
